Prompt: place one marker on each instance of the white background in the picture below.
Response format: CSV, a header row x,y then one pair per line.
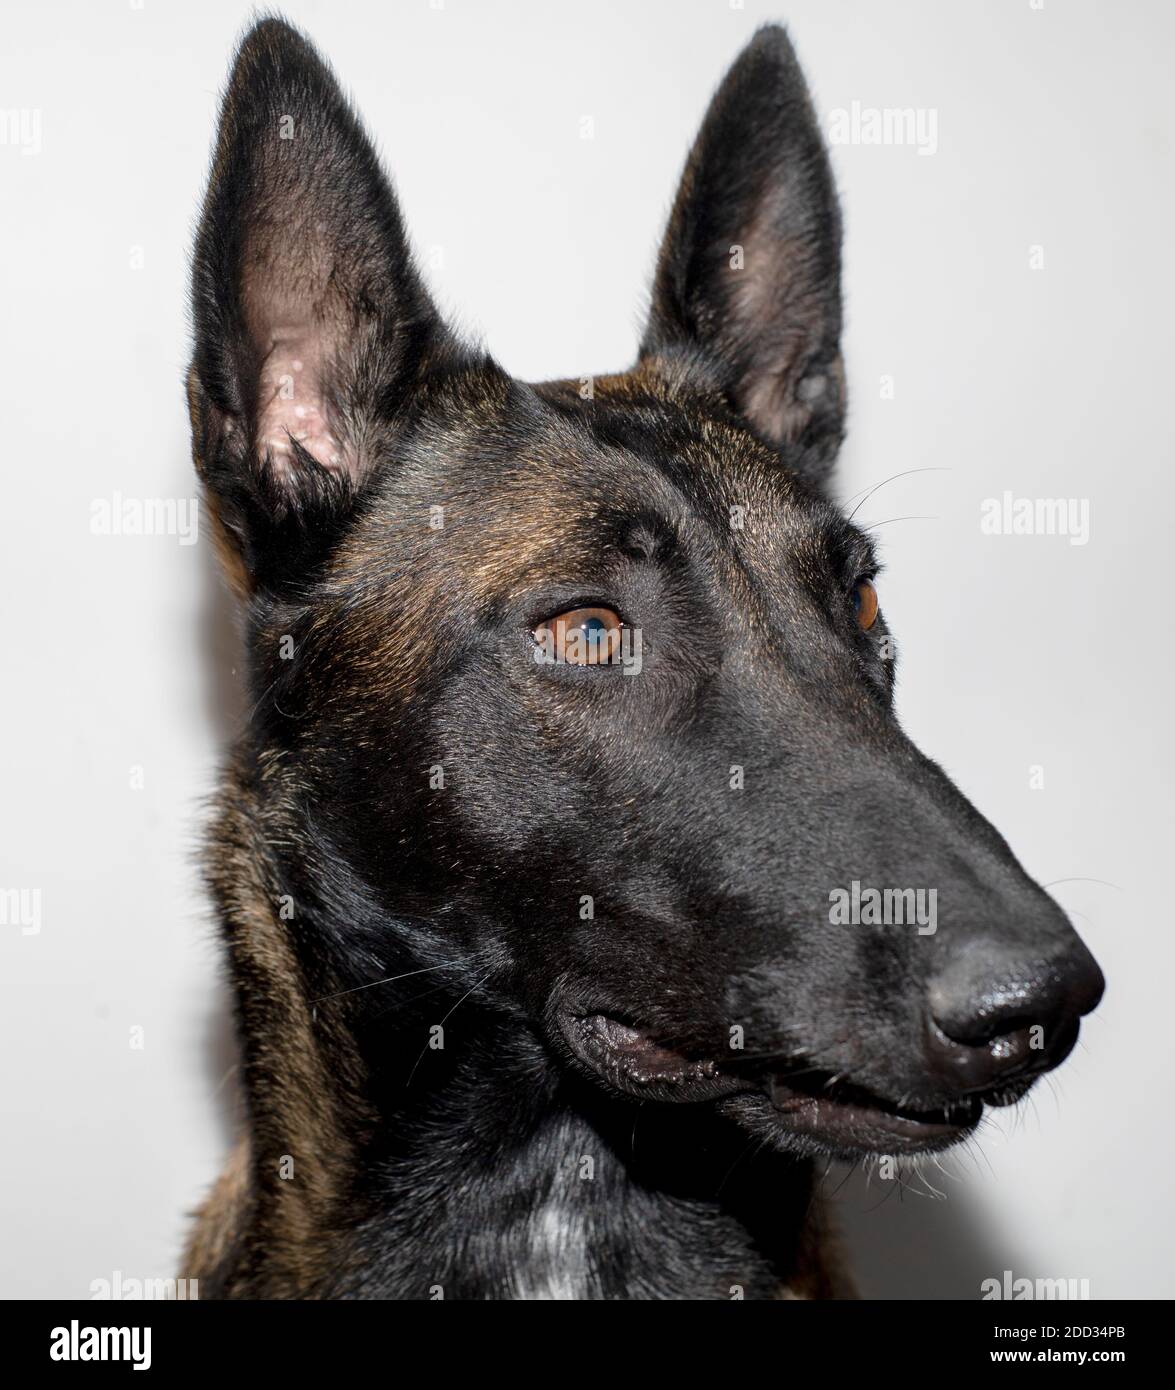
x,y
1054,130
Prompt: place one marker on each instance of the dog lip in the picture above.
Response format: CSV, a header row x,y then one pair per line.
x,y
632,1061
855,1117
639,1054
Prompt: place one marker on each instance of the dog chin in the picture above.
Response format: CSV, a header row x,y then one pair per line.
x,y
817,1126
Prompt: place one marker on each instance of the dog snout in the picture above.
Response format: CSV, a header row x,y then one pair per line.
x,y
997,1019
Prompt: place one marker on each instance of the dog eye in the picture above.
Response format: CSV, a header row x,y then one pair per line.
x,y
581,637
865,603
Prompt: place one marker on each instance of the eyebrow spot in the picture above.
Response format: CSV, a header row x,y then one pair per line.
x,y
648,538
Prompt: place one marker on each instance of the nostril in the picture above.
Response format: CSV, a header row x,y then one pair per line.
x,y
974,1019
985,1030
1015,1054
978,1064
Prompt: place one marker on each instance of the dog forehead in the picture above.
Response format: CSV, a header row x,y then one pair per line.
x,y
518,485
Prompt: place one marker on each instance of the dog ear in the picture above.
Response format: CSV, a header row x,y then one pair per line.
x,y
749,270
311,322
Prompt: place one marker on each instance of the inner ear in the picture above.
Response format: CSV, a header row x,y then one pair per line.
x,y
749,270
294,410
297,383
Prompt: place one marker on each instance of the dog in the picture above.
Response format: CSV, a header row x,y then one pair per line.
x,y
571,756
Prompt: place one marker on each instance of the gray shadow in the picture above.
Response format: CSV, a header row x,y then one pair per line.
x,y
222,651
222,1068
901,1243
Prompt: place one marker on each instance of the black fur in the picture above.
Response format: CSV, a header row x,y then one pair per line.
x,y
587,1128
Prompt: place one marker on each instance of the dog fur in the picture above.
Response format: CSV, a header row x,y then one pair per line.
x,y
418,812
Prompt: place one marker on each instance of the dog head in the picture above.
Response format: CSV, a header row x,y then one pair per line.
x,y
583,688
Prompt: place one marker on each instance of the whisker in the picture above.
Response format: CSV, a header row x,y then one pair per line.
x,y
873,525
1102,881
445,1020
387,980
878,486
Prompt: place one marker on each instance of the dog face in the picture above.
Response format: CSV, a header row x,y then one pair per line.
x,y
582,689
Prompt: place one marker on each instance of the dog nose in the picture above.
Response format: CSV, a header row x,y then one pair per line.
x,y
996,1021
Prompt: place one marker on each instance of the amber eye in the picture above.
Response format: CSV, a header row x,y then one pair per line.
x,y
865,603
580,637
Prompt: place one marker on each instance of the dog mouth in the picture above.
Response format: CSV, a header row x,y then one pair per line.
x,y
829,1111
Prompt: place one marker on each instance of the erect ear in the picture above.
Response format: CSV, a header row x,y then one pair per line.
x,y
312,326
749,270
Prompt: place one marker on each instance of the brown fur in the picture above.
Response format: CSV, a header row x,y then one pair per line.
x,y
302,1078
421,802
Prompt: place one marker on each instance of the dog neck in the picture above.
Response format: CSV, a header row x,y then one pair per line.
x,y
376,1165
504,1178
